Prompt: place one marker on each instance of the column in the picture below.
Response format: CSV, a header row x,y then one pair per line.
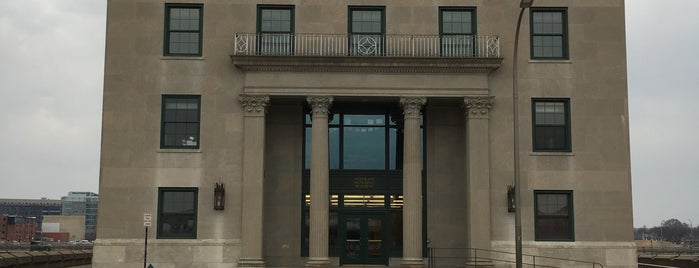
x,y
254,108
412,183
320,184
476,110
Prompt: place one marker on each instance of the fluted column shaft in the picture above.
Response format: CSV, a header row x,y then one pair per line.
x,y
254,108
412,183
320,184
476,110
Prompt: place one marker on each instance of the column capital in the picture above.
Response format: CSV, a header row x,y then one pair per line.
x,y
478,107
254,105
412,106
320,104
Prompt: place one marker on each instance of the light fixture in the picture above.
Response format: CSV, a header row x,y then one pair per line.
x,y
219,196
511,207
526,3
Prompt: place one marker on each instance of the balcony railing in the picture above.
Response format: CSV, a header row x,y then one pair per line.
x,y
366,45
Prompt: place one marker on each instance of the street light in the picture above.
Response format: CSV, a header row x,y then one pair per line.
x,y
523,4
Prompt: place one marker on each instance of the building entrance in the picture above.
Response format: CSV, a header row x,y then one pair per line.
x,y
364,239
365,159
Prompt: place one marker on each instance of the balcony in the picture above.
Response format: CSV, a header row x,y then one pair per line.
x,y
366,53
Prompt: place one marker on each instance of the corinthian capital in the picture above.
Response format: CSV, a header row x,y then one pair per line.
x,y
320,104
412,106
254,105
478,107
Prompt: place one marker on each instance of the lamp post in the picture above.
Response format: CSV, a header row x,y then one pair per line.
x,y
523,5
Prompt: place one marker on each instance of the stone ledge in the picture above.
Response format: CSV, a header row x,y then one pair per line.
x,y
365,64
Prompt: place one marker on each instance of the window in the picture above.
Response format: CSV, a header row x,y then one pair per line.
x,y
183,29
180,121
554,216
549,33
457,26
366,28
177,213
551,125
275,25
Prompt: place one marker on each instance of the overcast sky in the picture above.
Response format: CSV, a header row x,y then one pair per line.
x,y
51,68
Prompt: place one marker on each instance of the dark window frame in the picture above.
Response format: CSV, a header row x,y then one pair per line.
x,y
350,32
567,127
474,24
565,36
163,121
292,25
167,31
571,216
161,191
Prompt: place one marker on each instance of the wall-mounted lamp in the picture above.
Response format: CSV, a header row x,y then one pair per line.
x,y
219,196
511,198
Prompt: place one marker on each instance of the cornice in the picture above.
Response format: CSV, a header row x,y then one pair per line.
x,y
365,64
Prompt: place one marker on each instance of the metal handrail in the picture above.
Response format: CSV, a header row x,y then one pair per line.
x,y
486,256
366,45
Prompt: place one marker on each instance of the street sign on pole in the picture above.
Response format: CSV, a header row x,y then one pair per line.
x,y
147,219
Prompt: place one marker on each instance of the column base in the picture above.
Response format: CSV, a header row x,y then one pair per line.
x,y
318,262
412,263
251,263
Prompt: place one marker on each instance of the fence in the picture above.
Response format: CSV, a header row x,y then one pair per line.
x,y
343,45
458,257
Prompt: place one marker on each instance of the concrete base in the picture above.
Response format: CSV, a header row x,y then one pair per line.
x,y
251,263
412,263
318,262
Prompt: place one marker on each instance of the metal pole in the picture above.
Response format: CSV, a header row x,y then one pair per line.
x,y
145,248
515,122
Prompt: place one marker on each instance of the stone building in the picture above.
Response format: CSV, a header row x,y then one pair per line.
x,y
82,204
35,208
296,133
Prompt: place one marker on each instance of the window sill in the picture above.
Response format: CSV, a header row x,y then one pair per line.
x,y
551,61
182,58
183,150
552,154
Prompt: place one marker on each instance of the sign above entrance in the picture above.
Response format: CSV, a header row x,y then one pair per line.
x,y
364,182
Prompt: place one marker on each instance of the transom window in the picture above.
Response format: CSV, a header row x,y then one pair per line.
x,y
275,24
177,213
551,125
361,141
367,29
554,215
457,27
549,33
180,121
183,29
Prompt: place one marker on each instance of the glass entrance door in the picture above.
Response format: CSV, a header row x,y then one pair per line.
x,y
364,239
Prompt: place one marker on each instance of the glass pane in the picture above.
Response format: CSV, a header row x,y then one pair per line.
x,y
176,224
392,147
307,150
396,236
364,148
332,234
375,238
334,148
364,119
178,202
550,138
553,228
353,242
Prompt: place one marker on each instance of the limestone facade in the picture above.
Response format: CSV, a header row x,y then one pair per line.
x,y
265,122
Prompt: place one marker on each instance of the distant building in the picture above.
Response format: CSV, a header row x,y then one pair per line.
x,y
17,228
56,226
36,208
82,204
